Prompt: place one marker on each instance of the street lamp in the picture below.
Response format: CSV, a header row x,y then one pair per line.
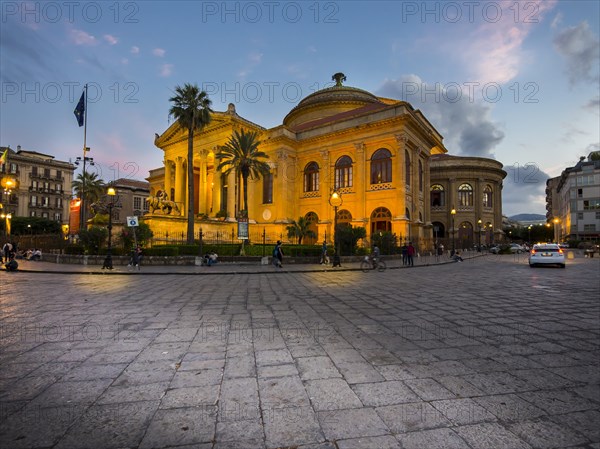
x,y
85,159
7,218
111,192
479,245
556,229
336,201
452,214
529,234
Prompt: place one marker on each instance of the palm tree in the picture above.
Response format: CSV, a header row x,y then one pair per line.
x,y
300,229
191,108
94,188
242,155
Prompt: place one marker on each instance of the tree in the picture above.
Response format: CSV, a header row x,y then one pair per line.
x,y
93,239
348,236
94,189
300,229
242,155
191,108
143,234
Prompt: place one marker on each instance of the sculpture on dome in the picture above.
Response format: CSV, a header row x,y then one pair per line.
x,y
339,78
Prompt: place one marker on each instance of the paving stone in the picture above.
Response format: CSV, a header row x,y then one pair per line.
x,y
463,411
87,371
317,368
351,423
556,402
491,435
239,400
237,430
110,426
385,442
429,389
273,357
395,372
282,392
545,434
176,427
432,439
63,393
384,393
239,367
509,407
331,394
585,423
190,397
290,425
412,416
196,378
359,372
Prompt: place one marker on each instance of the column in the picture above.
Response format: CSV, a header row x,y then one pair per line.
x,y
231,209
202,183
180,184
216,189
168,174
362,180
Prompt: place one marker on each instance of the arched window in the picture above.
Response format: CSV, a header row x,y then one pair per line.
x,y
344,217
381,220
420,176
437,195
312,219
407,213
465,195
343,172
420,217
407,166
311,177
381,166
487,197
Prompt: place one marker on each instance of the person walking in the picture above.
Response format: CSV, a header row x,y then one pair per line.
x,y
404,251
6,249
278,255
324,258
410,252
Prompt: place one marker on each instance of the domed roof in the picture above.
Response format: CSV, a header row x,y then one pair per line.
x,y
328,102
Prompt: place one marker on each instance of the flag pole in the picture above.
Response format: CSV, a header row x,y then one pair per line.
x,y
82,204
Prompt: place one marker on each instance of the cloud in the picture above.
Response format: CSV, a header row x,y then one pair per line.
x,y
494,49
253,60
465,123
159,52
592,147
593,105
135,50
110,39
166,70
124,61
557,20
80,37
580,48
524,189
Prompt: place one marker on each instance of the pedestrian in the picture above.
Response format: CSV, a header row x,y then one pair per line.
x,y
278,255
6,249
324,258
441,250
213,258
410,252
404,251
136,257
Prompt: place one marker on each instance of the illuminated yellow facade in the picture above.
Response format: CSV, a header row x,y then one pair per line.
x,y
374,151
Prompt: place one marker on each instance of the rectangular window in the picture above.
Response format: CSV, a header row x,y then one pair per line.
x,y
47,172
580,215
591,204
137,202
44,214
32,213
57,216
45,201
14,168
589,227
579,193
268,188
146,205
34,185
58,187
34,171
58,174
34,200
597,215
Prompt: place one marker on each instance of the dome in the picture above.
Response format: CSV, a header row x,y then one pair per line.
x,y
328,102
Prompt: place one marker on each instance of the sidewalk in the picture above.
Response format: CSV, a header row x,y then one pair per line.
x,y
224,268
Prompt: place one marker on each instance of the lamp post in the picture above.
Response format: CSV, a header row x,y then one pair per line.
x,y
85,160
479,245
111,202
452,214
336,201
529,234
556,230
7,218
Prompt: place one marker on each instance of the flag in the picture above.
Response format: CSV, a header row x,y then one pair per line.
x,y
80,109
3,158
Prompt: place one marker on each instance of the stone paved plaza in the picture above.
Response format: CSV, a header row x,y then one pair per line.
x,y
482,354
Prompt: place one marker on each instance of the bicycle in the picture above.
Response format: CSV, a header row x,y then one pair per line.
x,y
370,263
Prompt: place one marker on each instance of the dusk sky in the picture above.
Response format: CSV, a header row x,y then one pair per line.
x,y
515,81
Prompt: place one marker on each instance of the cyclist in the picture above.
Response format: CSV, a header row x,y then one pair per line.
x,y
375,256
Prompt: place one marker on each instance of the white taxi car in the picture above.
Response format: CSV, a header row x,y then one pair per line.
x,y
546,253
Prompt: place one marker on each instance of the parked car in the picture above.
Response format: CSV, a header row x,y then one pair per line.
x,y
546,253
516,248
494,249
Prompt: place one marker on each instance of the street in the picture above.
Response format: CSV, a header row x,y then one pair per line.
x,y
486,353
